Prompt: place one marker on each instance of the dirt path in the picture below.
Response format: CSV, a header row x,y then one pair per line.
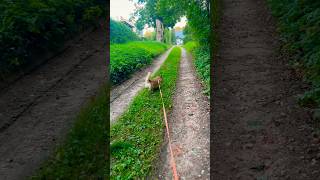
x,y
189,126
259,131
122,95
37,110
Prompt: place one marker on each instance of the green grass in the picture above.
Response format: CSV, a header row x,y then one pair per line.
x,y
299,23
137,135
201,60
84,153
130,57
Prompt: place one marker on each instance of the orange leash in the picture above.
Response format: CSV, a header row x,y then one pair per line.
x,y
173,164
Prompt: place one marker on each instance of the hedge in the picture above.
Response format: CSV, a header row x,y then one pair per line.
x,y
120,33
34,26
130,57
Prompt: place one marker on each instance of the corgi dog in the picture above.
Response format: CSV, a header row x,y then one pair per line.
x,y
152,84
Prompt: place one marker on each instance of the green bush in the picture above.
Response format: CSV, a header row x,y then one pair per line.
x,y
201,60
299,24
191,45
128,58
137,135
198,28
121,33
34,26
187,34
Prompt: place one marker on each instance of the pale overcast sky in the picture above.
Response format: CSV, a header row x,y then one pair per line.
x,y
182,22
122,8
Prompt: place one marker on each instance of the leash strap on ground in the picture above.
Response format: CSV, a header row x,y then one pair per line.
x,y
173,164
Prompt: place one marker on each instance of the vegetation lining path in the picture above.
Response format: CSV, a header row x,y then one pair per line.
x,y
189,126
38,110
122,95
259,131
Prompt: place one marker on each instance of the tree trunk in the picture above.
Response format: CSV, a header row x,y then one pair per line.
x,y
159,30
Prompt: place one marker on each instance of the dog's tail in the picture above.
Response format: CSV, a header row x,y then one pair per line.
x,y
148,77
146,83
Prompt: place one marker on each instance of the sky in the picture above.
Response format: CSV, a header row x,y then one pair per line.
x,y
124,8
121,8
182,22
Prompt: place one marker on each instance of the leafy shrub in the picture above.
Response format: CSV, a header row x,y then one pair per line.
x,y
127,58
33,26
187,34
121,33
202,64
201,56
198,27
191,45
92,14
299,24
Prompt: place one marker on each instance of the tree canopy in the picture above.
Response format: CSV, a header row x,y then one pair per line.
x,y
169,12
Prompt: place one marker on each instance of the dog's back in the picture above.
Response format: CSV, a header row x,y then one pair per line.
x,y
152,84
155,83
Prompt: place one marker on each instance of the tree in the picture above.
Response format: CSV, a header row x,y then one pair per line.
x,y
169,36
173,36
198,16
157,13
168,12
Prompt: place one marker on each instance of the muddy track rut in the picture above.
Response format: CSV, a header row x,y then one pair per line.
x,y
258,129
189,127
38,110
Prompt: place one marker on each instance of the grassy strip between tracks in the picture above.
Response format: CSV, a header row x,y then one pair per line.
x,y
137,135
83,154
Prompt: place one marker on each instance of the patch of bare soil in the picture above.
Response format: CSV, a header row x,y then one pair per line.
x,y
259,131
122,95
189,127
38,110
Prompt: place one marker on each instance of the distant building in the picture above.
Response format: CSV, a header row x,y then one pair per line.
x,y
179,37
179,41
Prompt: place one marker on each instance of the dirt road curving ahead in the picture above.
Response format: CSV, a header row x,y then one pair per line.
x,y
38,110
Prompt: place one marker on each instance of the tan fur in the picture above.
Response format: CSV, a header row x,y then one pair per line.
x,y
153,84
